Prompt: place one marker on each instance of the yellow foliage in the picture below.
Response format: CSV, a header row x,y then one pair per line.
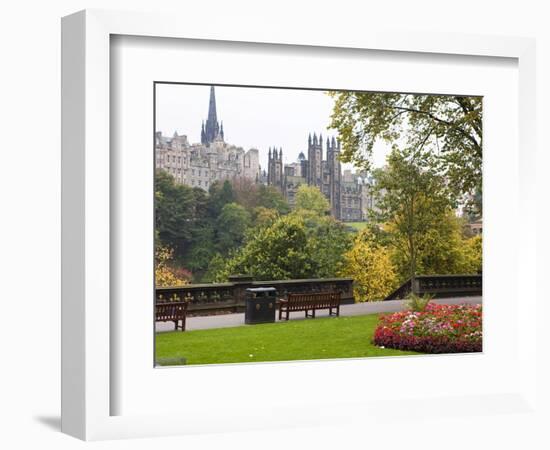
x,y
164,274
474,253
371,268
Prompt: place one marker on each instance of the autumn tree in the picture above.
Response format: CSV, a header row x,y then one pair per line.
x,y
474,253
310,198
370,266
411,198
450,126
443,249
262,216
166,274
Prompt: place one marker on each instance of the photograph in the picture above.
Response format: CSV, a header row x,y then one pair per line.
x,y
297,224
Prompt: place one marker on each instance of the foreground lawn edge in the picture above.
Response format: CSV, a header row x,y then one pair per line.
x,y
295,340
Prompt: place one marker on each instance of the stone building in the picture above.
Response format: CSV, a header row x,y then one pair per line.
x,y
357,196
199,165
275,168
325,174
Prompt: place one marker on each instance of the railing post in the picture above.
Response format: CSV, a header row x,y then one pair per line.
x,y
240,284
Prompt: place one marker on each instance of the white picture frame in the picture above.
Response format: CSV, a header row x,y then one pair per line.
x,y
87,318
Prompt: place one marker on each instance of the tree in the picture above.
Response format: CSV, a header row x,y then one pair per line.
x,y
474,254
411,199
441,250
264,216
370,266
276,252
231,227
451,126
220,194
246,192
201,249
215,270
269,197
174,212
327,241
310,198
293,246
252,195
165,273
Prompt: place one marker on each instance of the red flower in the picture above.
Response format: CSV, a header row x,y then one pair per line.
x,y
439,329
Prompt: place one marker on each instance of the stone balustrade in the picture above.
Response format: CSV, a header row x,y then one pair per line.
x,y
219,298
440,286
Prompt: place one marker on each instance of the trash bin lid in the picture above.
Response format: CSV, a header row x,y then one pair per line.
x,y
261,289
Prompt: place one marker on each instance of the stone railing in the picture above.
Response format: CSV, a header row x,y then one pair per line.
x,y
440,286
219,298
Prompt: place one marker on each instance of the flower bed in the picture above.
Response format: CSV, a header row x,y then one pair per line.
x,y
438,329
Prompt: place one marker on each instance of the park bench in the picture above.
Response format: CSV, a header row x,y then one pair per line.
x,y
310,302
172,312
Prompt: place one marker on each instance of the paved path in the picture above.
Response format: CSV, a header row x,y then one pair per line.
x,y
356,309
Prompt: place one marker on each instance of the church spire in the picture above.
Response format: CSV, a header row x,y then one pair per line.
x,y
212,115
212,127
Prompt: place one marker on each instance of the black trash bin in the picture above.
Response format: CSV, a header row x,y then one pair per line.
x,y
260,305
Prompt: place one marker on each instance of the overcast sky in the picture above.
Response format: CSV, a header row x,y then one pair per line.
x,y
252,117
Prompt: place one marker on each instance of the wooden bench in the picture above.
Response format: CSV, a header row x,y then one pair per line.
x,y
172,312
310,302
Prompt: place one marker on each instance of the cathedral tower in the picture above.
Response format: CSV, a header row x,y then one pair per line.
x,y
275,168
315,160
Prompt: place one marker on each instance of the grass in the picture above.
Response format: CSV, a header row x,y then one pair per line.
x,y
321,338
357,225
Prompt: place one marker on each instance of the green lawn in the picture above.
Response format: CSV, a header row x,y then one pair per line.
x,y
321,338
357,225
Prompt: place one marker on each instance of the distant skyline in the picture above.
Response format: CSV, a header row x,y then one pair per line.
x,y
252,117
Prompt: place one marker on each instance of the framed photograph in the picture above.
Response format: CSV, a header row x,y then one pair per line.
x,y
243,213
